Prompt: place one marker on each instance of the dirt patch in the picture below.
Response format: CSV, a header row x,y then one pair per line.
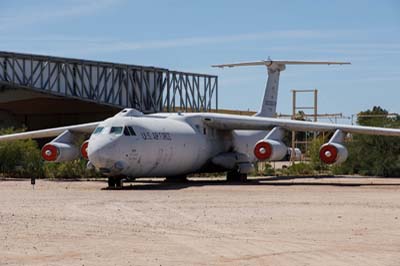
x,y
324,221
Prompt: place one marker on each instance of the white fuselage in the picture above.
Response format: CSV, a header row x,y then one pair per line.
x,y
164,145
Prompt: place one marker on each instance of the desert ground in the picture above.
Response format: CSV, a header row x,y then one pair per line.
x,y
267,221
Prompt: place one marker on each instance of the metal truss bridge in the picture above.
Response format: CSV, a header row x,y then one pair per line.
x,y
148,89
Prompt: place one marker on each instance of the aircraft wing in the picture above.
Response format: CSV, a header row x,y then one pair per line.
x,y
232,122
50,132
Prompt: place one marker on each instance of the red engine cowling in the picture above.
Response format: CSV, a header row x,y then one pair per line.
x,y
84,147
333,153
59,152
268,149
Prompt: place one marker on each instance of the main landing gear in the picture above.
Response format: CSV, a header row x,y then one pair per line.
x,y
176,179
235,176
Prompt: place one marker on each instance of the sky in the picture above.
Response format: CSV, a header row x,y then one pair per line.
x,y
192,35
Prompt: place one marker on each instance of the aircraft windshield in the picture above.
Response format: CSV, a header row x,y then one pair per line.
x,y
116,130
98,130
128,131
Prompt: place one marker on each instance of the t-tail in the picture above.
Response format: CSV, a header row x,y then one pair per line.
x,y
274,68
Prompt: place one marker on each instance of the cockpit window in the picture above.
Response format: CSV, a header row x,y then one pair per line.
x,y
128,131
98,130
133,133
116,130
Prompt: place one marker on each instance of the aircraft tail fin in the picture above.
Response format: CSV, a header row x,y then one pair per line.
x,y
268,106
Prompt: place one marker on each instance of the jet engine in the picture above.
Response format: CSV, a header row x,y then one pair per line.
x,y
61,149
270,150
59,152
84,147
271,147
334,152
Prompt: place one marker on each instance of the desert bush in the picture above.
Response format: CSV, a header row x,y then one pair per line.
x,y
298,169
373,155
315,160
75,169
20,158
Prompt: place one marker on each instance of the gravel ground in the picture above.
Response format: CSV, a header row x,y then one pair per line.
x,y
321,221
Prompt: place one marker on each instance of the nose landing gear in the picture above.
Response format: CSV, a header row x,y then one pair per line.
x,y
115,182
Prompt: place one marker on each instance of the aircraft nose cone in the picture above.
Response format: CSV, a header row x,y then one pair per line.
x,y
104,157
101,155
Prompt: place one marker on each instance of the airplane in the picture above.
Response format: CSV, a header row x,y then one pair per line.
x,y
174,145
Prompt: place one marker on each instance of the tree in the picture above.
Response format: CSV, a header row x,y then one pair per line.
x,y
374,155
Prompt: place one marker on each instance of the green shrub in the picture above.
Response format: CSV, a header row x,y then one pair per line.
x,y
316,162
20,158
268,170
75,169
373,155
298,169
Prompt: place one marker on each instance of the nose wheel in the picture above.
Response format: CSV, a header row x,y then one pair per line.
x,y
115,182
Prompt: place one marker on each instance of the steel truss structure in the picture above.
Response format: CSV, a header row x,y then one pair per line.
x,y
148,89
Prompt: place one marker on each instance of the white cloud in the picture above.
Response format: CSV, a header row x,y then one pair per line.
x,y
99,45
12,19
279,42
96,45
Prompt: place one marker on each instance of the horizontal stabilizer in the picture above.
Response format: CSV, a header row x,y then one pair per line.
x,y
281,62
268,106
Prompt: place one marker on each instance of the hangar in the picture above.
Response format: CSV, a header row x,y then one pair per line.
x,y
40,91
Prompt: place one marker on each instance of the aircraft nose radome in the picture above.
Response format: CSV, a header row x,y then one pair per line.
x,y
100,155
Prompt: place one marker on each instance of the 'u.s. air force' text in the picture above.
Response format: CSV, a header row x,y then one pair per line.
x,y
156,136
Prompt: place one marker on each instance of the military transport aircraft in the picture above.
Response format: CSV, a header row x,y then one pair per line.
x,y
173,145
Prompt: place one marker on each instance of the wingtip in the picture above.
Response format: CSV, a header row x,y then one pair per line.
x,y
219,66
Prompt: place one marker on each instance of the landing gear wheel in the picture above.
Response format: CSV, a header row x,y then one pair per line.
x,y
234,176
111,182
176,179
119,183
